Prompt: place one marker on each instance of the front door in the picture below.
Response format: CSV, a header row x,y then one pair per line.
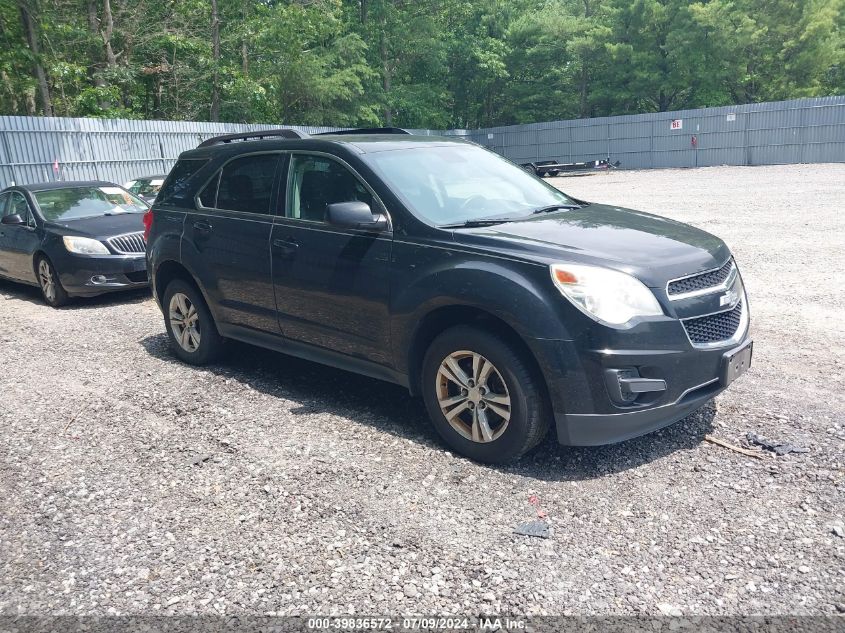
x,y
227,241
5,256
331,283
18,242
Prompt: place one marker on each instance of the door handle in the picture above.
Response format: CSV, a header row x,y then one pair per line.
x,y
286,244
285,248
202,227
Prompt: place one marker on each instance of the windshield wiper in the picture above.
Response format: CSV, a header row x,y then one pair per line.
x,y
472,223
555,207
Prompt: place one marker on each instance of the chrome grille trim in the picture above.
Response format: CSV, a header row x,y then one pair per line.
x,y
727,282
129,243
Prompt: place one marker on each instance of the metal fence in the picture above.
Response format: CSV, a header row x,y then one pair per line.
x,y
39,149
798,131
35,149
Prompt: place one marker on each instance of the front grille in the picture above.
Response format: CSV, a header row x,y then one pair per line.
x,y
129,244
709,279
714,327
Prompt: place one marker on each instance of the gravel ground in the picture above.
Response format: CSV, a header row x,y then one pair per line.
x,y
133,484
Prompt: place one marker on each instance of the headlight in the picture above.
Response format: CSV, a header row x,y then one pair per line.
x,y
608,295
84,246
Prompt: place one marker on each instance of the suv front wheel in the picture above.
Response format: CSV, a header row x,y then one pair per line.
x,y
189,324
482,395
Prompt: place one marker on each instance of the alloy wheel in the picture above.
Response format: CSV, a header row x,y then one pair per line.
x,y
184,321
473,396
45,277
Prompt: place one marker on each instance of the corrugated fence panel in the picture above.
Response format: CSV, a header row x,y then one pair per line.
x,y
801,130
35,149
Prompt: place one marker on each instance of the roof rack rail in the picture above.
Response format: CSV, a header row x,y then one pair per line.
x,y
247,136
369,130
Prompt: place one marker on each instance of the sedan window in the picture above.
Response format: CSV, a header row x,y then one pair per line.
x,y
73,203
146,186
18,205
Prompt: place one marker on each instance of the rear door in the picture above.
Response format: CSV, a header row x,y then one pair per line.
x,y
331,284
226,240
19,241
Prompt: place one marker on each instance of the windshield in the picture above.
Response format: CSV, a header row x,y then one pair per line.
x,y
462,183
145,186
74,203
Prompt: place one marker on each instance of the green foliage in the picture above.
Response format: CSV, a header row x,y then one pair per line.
x,y
427,63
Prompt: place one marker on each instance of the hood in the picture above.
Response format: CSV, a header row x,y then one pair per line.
x,y
101,227
650,247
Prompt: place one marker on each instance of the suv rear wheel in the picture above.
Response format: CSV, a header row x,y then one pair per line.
x,y
483,397
189,324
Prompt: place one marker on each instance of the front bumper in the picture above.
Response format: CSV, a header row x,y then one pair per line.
x,y
88,276
593,429
587,414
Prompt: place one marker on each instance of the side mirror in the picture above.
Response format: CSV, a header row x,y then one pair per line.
x,y
355,215
15,218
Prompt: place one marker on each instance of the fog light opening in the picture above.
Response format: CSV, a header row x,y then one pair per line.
x,y
627,387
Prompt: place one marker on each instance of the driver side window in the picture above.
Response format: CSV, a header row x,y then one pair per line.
x,y
17,205
316,182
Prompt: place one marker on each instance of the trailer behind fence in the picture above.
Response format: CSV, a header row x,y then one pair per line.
x,y
35,149
798,131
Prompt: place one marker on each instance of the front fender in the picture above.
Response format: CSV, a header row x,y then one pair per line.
x,y
519,293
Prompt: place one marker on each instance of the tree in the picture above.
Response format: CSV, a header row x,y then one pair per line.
x,y
32,41
427,63
789,50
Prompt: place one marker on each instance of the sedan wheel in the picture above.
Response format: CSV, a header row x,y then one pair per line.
x,y
184,322
45,276
48,280
473,396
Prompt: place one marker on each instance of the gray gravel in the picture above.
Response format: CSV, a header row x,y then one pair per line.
x,y
132,483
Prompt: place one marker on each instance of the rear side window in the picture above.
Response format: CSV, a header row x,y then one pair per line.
x,y
246,184
208,197
175,190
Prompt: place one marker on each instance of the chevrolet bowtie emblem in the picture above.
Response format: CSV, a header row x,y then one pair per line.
x,y
729,298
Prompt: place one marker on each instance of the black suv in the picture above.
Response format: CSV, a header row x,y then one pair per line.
x,y
433,263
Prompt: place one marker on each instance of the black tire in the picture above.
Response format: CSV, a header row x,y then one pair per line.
x,y
51,287
210,344
529,410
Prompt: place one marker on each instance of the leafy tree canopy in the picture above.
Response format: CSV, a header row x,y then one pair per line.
x,y
422,63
